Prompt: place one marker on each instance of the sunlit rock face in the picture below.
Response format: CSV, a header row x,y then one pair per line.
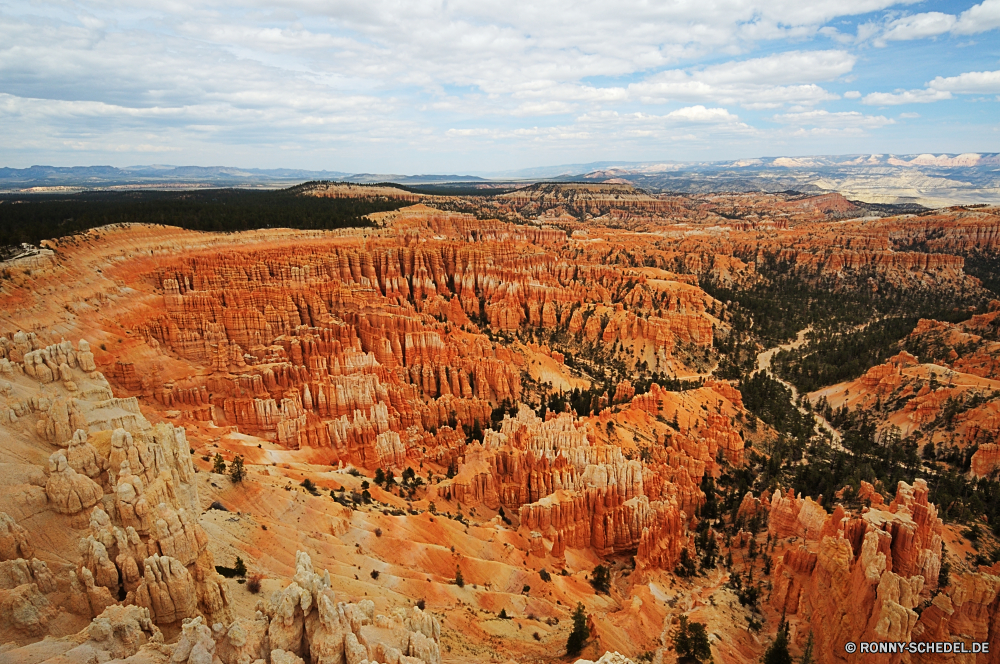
x,y
500,374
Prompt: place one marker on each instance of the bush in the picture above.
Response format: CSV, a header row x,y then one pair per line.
x,y
253,583
459,579
685,567
308,485
600,579
944,575
503,615
378,532
375,574
545,576
421,604
580,633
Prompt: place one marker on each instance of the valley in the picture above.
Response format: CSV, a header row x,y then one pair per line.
x,y
427,429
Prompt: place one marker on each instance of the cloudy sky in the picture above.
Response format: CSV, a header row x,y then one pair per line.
x,y
448,86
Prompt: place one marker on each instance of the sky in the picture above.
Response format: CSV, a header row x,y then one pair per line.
x,y
479,86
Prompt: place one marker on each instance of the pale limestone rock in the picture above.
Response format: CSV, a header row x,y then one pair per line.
x,y
14,541
98,562
607,658
134,450
98,597
307,620
101,528
354,652
44,577
26,610
79,603
279,656
287,621
245,641
196,645
133,508
167,590
120,631
14,573
83,458
177,535
84,357
60,418
68,491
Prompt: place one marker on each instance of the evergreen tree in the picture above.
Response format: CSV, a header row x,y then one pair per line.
x,y
459,579
379,476
219,464
600,579
807,652
691,642
777,652
236,470
240,567
580,633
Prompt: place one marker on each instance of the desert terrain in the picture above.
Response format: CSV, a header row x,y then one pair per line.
x,y
487,428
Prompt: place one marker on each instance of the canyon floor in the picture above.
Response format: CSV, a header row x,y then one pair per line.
x,y
434,437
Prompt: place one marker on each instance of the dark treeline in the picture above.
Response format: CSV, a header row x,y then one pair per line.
x,y
772,402
833,358
787,300
985,266
881,457
36,217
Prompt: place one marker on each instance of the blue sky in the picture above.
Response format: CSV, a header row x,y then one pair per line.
x,y
413,86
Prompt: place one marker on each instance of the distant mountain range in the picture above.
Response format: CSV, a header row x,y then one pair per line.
x,y
931,180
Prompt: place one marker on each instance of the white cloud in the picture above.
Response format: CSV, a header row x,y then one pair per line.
x,y
701,114
972,82
909,116
318,77
905,97
978,18
766,82
847,119
918,26
852,94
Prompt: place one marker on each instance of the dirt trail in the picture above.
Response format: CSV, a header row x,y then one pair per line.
x,y
764,360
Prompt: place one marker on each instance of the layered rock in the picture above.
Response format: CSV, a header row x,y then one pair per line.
x,y
306,621
857,579
14,540
68,491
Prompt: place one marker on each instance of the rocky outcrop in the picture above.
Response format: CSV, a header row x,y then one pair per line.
x,y
69,492
14,540
26,610
856,578
306,621
167,590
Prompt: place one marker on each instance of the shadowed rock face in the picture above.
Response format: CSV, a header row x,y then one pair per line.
x,y
426,348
